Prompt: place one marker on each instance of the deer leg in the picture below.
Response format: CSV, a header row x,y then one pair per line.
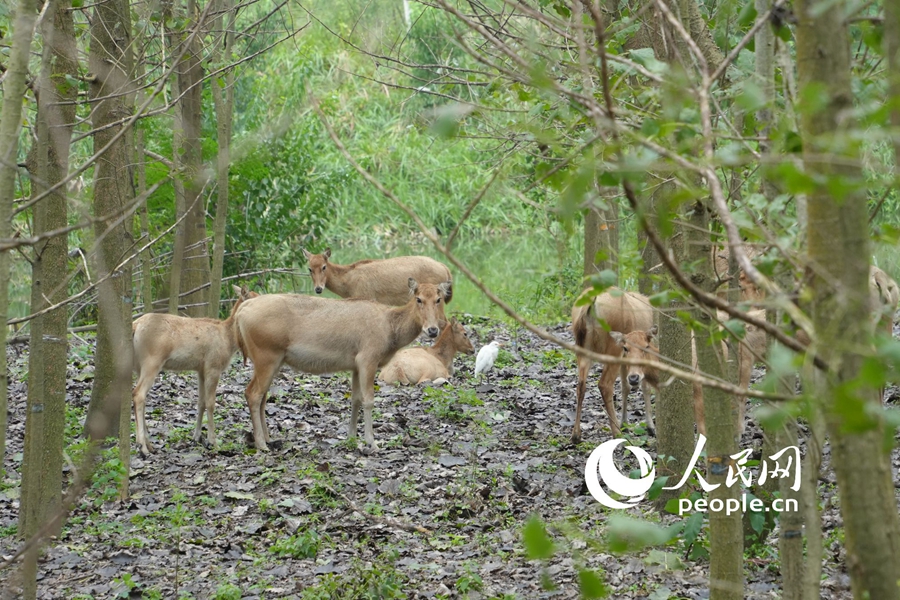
x,y
745,366
699,414
367,387
209,403
607,388
355,401
201,403
263,373
584,368
647,387
146,376
626,390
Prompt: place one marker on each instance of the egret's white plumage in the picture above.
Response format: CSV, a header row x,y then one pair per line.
x,y
484,362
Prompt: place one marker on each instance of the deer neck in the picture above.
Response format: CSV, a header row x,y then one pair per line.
x,y
406,325
443,348
336,281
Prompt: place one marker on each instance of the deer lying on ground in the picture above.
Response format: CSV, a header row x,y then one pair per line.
x,y
323,335
415,365
171,343
383,280
624,312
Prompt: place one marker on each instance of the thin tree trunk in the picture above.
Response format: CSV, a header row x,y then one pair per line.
x,y
674,407
46,401
178,185
49,164
144,217
195,272
10,121
839,264
726,534
601,240
111,64
892,50
223,96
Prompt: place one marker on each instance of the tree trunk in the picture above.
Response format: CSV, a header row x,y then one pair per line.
x,y
223,96
195,272
49,164
10,121
837,229
675,405
178,185
892,50
601,240
111,64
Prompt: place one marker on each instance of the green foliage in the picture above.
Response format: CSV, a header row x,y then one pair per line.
x,y
375,580
446,404
227,591
303,544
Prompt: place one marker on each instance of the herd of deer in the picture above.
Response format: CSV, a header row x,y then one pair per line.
x,y
620,323
386,304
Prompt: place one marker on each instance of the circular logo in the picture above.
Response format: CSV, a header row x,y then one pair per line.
x,y
601,466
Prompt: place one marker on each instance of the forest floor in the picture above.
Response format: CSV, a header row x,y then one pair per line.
x,y
467,463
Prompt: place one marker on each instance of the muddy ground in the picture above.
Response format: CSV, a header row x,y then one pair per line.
x,y
468,464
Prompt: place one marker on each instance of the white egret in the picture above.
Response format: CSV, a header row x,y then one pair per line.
x,y
484,362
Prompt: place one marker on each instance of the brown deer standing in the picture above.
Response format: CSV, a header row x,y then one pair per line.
x,y
751,349
415,365
640,346
171,343
592,323
383,280
322,335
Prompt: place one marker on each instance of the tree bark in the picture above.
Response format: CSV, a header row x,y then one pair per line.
x,y
49,164
892,52
10,122
111,64
195,272
223,96
601,237
837,229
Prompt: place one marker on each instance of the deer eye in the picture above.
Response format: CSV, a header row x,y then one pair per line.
x,y
438,301
323,267
625,349
310,270
419,300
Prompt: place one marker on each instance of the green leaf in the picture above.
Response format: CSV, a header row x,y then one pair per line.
x,y
748,15
751,97
669,560
656,488
591,585
238,495
538,545
629,535
603,280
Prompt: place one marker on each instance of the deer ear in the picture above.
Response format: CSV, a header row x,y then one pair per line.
x,y
413,285
327,253
446,289
653,331
306,253
237,290
618,337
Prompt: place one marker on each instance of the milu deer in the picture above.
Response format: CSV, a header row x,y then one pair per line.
x,y
415,365
323,335
751,349
171,343
592,323
639,345
382,280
